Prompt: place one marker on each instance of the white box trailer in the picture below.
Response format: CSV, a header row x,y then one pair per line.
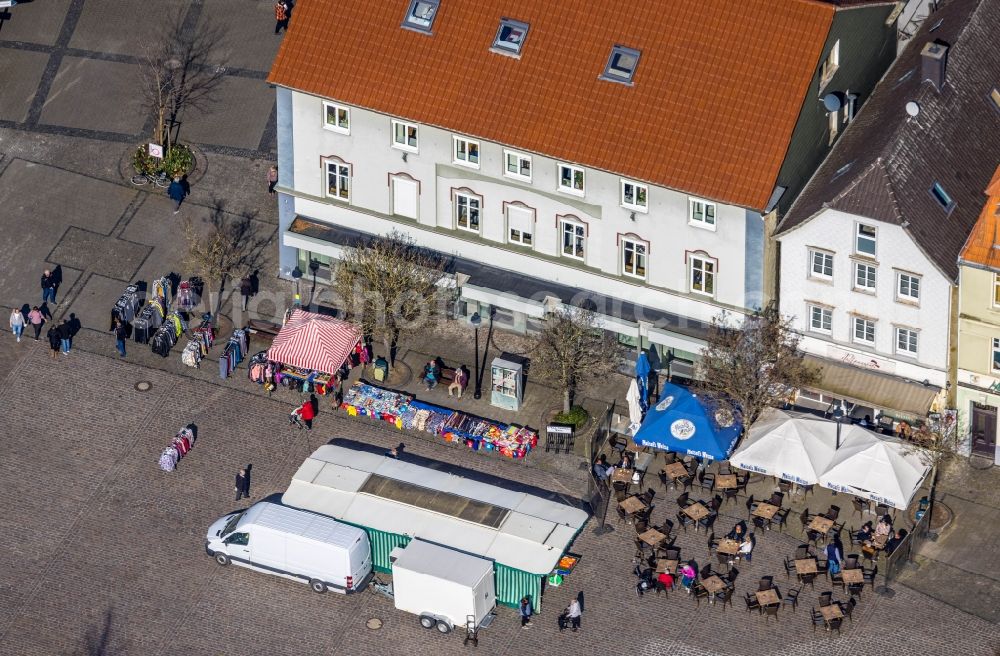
x,y
294,544
442,586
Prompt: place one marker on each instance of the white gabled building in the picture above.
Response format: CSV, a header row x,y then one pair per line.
x,y
556,158
869,250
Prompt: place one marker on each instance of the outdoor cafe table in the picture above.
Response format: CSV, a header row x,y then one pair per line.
x,y
768,597
632,505
805,566
765,510
652,537
696,510
666,565
879,541
675,470
621,476
831,612
855,575
725,481
820,524
728,547
713,584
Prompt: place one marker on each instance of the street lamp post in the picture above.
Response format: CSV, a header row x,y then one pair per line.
x,y
297,276
838,414
475,320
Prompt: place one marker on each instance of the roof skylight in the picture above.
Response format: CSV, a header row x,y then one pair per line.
x,y
421,14
941,196
621,65
510,37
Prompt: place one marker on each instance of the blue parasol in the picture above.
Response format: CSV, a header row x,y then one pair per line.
x,y
642,370
682,424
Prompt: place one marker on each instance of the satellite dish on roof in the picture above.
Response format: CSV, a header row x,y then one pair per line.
x,y
832,102
912,108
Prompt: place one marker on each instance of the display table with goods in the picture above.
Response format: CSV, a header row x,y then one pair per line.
x,y
404,411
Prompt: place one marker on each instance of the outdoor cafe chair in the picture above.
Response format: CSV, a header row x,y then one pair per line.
x,y
641,525
802,551
837,529
640,549
883,510
706,481
713,544
815,537
808,578
699,592
722,559
663,479
708,520
742,480
776,499
765,583
851,562
789,567
791,598
860,506
730,494
725,596
807,489
659,587
847,608
817,619
825,598
761,523
667,528
833,512
780,518
854,589
672,553
751,601
684,482
785,486
730,578
870,575
648,496
834,624
684,520
683,501
822,566
622,515
837,579
805,518
751,506
771,611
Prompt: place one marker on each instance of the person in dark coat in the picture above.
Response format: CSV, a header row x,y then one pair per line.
x,y
246,291
74,327
121,334
55,340
176,193
242,484
48,287
65,335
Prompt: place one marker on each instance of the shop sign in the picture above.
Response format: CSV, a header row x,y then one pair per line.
x,y
861,360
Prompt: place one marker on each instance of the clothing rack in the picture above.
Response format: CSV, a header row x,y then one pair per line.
x,y
179,446
233,353
202,339
189,293
167,334
126,306
149,319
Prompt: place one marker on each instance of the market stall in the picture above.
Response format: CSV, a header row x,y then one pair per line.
x,y
404,411
310,351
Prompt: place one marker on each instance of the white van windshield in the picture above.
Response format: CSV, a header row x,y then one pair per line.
x,y
231,524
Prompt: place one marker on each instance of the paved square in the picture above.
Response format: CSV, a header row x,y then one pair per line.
x,y
250,43
122,28
109,91
35,22
83,249
241,129
93,302
20,71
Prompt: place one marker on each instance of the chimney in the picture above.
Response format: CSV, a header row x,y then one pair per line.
x,y
933,60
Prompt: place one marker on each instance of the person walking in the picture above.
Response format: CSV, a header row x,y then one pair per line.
x,y
281,14
834,553
74,327
55,340
307,413
176,193
16,323
64,336
272,179
573,613
243,484
459,382
246,291
526,612
120,334
36,320
48,287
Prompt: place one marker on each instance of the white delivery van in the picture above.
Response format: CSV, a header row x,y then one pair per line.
x,y
295,544
444,587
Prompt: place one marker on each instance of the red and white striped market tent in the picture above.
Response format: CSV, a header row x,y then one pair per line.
x,y
314,341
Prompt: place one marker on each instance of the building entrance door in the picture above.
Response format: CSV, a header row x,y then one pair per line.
x,y
984,430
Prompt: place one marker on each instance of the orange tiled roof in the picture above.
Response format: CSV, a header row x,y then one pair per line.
x,y
983,245
716,95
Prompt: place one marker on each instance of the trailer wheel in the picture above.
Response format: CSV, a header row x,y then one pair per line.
x,y
221,558
427,621
443,627
317,586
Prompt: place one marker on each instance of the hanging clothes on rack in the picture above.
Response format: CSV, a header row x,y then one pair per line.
x,y
233,353
126,306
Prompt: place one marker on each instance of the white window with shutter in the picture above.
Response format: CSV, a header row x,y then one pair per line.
x,y
520,225
404,197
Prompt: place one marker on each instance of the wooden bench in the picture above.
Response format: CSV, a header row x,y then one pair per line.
x,y
266,327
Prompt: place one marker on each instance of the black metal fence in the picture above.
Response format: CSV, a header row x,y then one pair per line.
x,y
907,548
598,491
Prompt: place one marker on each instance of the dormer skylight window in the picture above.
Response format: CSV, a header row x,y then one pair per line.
x,y
621,65
510,37
421,14
942,197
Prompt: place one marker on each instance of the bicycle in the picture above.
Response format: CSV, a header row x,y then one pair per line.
x,y
379,587
160,179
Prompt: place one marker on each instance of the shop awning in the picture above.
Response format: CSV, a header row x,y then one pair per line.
x,y
314,341
873,389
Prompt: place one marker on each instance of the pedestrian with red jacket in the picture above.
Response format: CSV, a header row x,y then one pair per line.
x,y
281,11
307,413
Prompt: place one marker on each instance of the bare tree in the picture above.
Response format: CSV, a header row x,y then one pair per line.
x,y
572,350
389,286
179,72
939,442
753,365
228,247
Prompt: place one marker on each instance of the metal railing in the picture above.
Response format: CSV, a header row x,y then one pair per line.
x,y
907,549
599,492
